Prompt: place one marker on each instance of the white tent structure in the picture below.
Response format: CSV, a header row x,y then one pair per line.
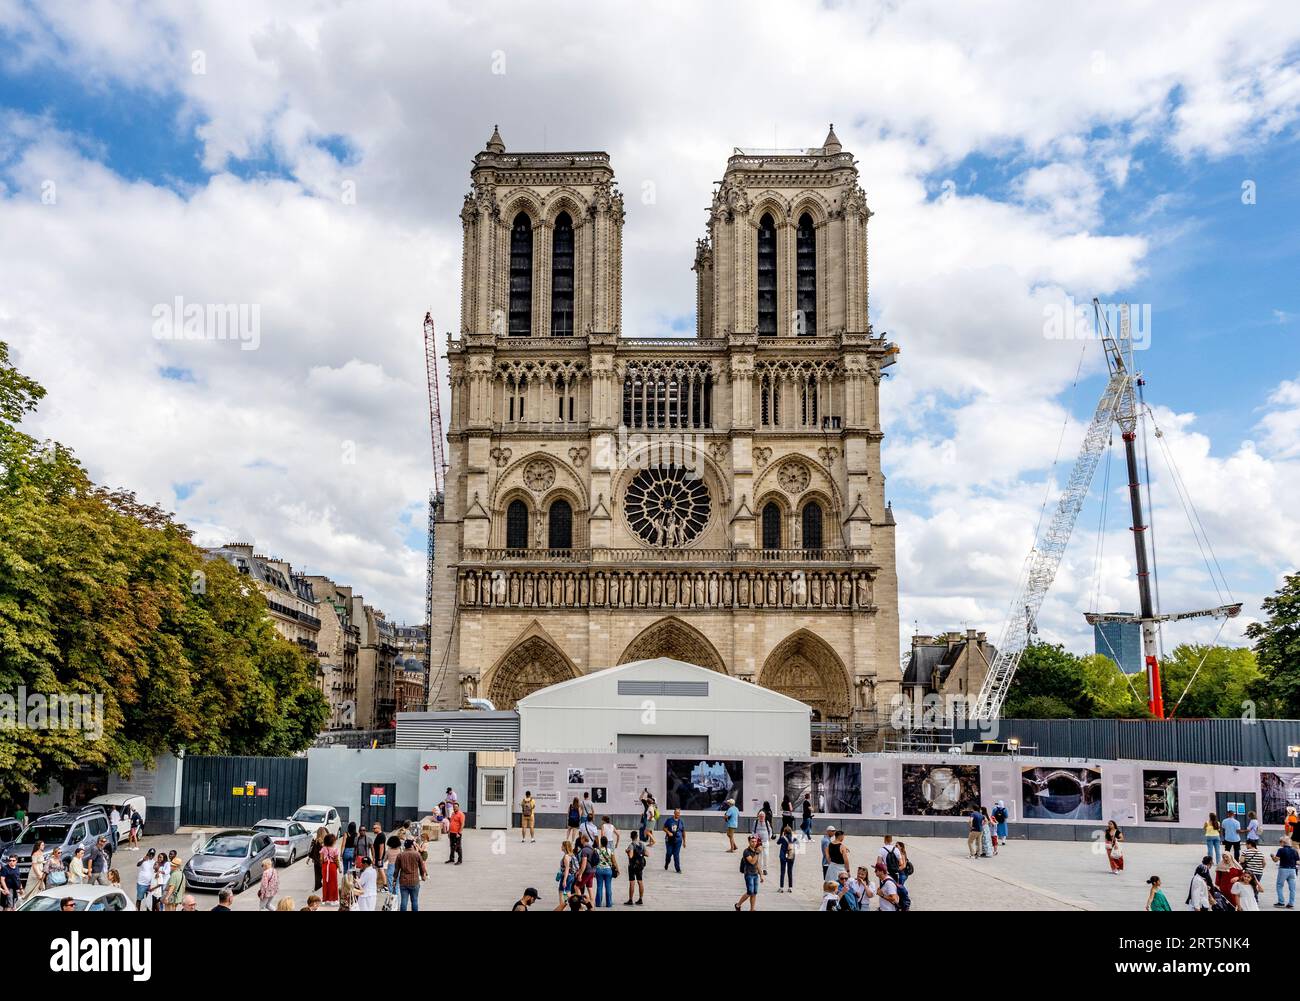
x,y
663,706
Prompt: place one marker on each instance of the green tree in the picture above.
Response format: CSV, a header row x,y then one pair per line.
x,y
1222,685
1110,691
1277,650
98,596
1049,684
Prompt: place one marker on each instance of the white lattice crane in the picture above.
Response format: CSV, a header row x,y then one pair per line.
x,y
435,496
1118,404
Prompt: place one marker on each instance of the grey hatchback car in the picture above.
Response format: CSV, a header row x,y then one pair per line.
x,y
68,831
230,858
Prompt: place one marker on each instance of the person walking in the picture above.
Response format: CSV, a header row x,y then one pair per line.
x,y
313,853
1286,858
77,866
763,832
785,852
1292,822
652,824
606,870
807,823
889,895
674,840
97,863
787,812
988,847
975,833
1252,829
732,820
1232,835
1252,860
329,869
610,833
269,886
575,820
12,881
635,869
1114,842
1156,897
1000,818
586,879
114,819
527,807
567,874
411,871
1213,837
455,825
1198,893
751,870
379,849
367,885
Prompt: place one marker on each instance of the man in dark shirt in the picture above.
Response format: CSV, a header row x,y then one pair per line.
x,y
411,872
12,881
674,840
1286,858
97,863
751,867
224,899
975,837
526,901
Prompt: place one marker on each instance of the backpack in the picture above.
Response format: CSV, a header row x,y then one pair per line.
x,y
904,898
891,861
849,901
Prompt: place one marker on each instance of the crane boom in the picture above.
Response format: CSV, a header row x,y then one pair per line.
x,y
435,495
1045,557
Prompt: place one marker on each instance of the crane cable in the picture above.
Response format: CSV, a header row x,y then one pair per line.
x,y
1222,622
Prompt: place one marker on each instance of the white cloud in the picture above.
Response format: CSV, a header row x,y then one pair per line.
x,y
974,410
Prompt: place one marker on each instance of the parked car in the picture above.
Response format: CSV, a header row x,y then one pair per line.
x,y
85,898
314,817
60,830
10,828
292,841
122,802
230,858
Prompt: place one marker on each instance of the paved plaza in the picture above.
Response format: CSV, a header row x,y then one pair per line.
x,y
1026,876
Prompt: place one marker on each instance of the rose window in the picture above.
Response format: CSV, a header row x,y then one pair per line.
x,y
667,506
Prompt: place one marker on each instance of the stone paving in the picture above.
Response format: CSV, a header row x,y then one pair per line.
x,y
1026,876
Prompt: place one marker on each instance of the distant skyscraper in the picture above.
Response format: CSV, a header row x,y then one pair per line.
x,y
1121,642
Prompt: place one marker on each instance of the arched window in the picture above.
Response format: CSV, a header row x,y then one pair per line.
x,y
521,276
771,526
517,525
806,271
767,276
562,277
812,526
559,526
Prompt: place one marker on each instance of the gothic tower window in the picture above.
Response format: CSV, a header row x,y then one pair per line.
x,y
517,525
806,273
559,526
771,526
767,276
562,277
812,527
521,276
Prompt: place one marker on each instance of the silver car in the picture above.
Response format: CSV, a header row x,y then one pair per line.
x,y
290,838
230,858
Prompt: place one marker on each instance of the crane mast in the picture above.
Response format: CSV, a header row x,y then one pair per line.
x,y
435,495
1119,405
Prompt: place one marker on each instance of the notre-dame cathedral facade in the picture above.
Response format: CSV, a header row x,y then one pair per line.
x,y
716,498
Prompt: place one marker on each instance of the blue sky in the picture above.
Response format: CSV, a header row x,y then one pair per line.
x,y
1008,166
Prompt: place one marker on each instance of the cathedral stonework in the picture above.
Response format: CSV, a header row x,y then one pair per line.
x,y
717,499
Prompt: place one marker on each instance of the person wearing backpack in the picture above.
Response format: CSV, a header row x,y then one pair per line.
x,y
785,853
888,892
889,854
1000,817
635,869
751,868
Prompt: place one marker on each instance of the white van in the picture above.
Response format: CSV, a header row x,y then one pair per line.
x,y
121,801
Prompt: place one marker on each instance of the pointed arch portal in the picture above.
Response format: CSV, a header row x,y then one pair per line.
x,y
531,664
804,667
673,638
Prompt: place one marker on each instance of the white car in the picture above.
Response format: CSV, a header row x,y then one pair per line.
x,y
292,841
85,897
120,801
313,817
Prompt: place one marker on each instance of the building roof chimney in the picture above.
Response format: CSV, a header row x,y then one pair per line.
x,y
832,143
